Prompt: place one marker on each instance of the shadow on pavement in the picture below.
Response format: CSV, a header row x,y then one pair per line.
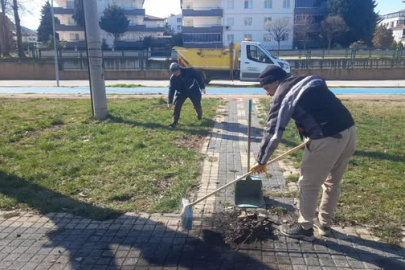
x,y
371,253
89,242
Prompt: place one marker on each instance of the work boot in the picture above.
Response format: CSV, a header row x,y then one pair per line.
x,y
297,231
199,117
322,229
172,125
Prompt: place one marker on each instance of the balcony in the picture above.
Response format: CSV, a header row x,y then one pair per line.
x,y
59,10
64,27
134,12
203,29
143,28
215,12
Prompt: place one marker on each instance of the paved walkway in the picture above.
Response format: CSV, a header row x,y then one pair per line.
x,y
142,241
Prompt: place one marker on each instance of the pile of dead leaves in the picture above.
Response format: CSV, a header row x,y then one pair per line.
x,y
249,228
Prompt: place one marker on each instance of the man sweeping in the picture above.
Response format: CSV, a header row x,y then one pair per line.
x,y
322,118
186,83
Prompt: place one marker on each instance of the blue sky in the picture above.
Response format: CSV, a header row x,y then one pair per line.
x,y
163,8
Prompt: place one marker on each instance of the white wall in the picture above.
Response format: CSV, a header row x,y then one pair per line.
x,y
201,4
399,35
202,21
390,23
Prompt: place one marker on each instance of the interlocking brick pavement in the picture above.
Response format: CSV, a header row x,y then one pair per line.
x,y
144,241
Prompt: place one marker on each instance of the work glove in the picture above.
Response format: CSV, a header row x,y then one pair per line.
x,y
169,106
258,168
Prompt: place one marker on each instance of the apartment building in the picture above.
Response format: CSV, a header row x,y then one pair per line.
x,y
396,22
140,25
202,23
217,23
175,22
310,12
252,19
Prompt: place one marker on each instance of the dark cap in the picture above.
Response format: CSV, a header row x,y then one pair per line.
x,y
174,66
271,74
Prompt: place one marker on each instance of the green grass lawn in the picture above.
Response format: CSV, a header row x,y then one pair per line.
x,y
55,157
374,185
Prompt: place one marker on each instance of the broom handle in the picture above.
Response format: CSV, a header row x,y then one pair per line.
x,y
249,173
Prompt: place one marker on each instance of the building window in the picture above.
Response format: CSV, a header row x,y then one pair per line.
x,y
74,37
248,36
268,4
267,37
248,20
179,20
248,4
286,3
71,21
285,37
70,4
188,22
267,19
229,38
229,21
179,28
230,4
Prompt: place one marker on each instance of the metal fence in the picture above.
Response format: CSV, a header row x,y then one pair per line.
x,y
299,59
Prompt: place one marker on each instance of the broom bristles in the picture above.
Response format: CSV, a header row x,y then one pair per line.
x,y
186,215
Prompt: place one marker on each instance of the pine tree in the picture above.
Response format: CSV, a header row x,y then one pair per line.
x,y
114,21
45,28
359,16
78,13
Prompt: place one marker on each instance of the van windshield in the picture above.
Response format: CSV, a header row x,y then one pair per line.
x,y
267,51
258,54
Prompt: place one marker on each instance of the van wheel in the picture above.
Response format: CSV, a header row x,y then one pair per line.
x,y
236,75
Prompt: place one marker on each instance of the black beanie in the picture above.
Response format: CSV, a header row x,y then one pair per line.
x,y
271,74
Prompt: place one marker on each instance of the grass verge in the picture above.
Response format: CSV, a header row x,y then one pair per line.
x,y
373,185
55,157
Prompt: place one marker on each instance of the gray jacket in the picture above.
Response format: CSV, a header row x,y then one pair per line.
x,y
316,111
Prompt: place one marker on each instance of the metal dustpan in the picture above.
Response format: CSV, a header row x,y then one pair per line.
x,y
249,192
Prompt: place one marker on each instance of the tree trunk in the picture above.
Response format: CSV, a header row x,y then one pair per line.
x,y
18,29
4,48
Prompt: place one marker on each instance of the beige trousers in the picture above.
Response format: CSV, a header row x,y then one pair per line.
x,y
323,164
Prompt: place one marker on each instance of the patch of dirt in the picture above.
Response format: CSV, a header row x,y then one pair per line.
x,y
190,141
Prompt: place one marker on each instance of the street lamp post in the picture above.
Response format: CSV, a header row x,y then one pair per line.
x,y
55,47
95,59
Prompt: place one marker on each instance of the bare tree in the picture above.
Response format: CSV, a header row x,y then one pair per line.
x,y
279,30
6,35
332,27
302,26
4,44
18,29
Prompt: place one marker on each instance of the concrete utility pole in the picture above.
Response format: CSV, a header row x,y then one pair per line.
x,y
55,47
97,84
